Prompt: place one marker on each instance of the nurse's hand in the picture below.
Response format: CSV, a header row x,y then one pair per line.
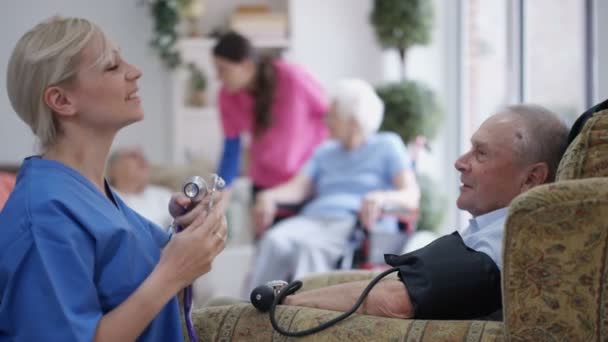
x,y
185,211
190,253
179,204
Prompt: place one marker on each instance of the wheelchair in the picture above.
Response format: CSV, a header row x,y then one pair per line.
x,y
365,249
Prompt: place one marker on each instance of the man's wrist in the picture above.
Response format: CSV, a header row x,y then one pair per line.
x,y
287,300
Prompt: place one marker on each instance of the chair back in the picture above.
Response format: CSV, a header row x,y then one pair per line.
x,y
555,272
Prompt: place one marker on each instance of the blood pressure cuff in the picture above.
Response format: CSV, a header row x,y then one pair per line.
x,y
448,280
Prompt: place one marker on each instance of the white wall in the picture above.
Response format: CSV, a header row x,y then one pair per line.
x,y
334,40
129,24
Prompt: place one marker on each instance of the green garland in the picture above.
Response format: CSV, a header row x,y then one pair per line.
x,y
166,18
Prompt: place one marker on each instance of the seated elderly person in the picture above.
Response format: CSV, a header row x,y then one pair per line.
x,y
458,276
129,173
358,171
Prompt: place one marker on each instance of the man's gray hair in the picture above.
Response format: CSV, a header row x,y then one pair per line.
x,y
357,99
543,136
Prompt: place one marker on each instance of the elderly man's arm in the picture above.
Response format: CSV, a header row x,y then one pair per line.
x,y
389,298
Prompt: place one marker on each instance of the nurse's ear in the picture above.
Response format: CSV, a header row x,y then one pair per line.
x,y
59,100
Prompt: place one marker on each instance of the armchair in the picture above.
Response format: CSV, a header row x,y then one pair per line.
x,y
555,273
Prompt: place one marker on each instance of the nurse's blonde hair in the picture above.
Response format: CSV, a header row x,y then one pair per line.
x,y
49,55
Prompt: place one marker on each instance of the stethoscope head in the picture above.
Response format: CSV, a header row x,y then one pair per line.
x,y
194,187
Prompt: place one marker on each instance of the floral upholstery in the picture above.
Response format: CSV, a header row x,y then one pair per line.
x,y
242,322
554,273
555,263
586,155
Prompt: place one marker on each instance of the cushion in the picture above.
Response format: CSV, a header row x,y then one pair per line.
x,y
587,154
241,322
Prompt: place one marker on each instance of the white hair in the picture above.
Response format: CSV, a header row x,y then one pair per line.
x,y
48,55
357,99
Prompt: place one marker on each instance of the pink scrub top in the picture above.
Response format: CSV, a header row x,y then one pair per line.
x,y
297,127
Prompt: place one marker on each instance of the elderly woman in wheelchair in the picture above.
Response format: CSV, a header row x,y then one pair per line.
x,y
353,177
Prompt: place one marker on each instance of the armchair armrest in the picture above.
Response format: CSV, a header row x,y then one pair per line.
x,y
242,322
555,256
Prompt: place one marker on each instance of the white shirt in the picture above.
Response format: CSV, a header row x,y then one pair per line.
x,y
485,232
152,203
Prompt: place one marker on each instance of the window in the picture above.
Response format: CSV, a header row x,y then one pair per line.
x,y
554,55
516,51
525,51
485,83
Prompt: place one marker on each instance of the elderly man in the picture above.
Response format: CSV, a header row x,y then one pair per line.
x,y
129,173
458,277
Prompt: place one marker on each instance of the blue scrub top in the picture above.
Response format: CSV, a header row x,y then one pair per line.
x,y
68,255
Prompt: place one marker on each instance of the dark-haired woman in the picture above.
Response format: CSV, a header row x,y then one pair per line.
x,y
280,104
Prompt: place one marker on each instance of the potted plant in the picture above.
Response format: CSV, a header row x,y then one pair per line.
x,y
402,24
433,204
411,108
165,16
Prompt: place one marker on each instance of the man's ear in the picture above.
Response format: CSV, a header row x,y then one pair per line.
x,y
58,101
537,174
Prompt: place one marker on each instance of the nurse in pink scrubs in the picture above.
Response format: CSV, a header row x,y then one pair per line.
x,y
281,105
